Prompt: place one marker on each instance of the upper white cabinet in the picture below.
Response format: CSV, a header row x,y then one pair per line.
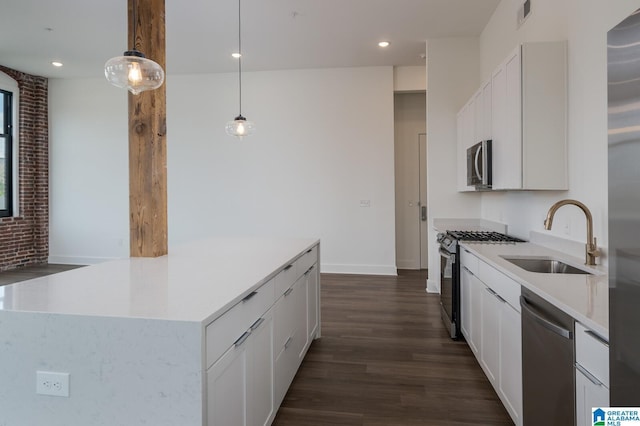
x,y
529,118
522,108
473,126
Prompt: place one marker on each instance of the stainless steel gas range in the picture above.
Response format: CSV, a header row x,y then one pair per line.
x,y
450,271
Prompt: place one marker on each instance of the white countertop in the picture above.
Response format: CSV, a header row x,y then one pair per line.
x,y
195,282
584,297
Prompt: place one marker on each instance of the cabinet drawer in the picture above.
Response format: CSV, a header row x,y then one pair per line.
x,y
307,260
287,277
287,318
287,364
469,261
225,330
592,353
504,286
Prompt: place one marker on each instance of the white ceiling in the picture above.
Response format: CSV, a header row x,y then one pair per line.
x,y
201,34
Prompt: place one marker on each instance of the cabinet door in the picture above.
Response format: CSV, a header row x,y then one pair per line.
x,y
486,110
299,298
466,307
589,394
490,328
478,117
510,375
506,123
261,388
476,289
313,298
227,388
465,136
460,158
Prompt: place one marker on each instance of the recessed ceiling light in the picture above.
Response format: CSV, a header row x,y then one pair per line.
x,y
56,63
236,55
384,44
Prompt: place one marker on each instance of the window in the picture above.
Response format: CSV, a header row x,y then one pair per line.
x,y
6,151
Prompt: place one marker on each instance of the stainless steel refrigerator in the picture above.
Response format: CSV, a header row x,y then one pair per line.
x,y
623,51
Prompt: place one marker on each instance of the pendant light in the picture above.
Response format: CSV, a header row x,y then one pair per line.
x,y
239,127
133,71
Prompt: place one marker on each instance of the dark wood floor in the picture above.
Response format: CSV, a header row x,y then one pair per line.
x,y
385,359
32,271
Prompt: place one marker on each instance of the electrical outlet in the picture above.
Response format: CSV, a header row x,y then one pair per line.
x,y
52,383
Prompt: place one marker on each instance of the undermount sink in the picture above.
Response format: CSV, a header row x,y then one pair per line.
x,y
545,265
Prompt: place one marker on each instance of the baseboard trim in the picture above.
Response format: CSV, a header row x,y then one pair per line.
x,y
79,260
359,269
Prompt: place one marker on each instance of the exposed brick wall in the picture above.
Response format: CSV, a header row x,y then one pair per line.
x,y
25,239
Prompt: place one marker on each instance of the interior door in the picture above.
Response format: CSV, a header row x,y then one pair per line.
x,y
424,229
410,113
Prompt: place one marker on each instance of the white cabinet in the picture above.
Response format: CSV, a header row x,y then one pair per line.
x,y
227,388
491,331
592,373
296,323
291,338
313,299
470,299
465,304
473,124
240,384
261,379
529,118
254,350
491,324
510,377
465,135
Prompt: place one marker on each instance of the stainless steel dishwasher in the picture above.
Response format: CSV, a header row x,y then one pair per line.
x,y
548,356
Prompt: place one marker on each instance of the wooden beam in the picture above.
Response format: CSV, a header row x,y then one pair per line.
x,y
147,139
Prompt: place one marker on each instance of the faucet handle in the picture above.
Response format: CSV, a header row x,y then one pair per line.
x,y
592,252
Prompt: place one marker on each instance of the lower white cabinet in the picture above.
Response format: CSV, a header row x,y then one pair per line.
x,y
510,377
592,373
261,405
466,306
240,383
313,301
291,335
589,394
227,388
491,326
249,375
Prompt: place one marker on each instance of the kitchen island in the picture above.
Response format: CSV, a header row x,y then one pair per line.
x,y
182,339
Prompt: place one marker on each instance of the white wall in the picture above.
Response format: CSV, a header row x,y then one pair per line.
x,y
324,142
584,24
453,76
88,172
410,78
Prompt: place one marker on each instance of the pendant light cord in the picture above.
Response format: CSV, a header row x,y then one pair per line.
x,y
135,24
240,58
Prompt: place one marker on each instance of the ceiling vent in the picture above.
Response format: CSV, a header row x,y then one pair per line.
x,y
523,12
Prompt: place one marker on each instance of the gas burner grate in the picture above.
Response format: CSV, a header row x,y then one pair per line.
x,y
483,236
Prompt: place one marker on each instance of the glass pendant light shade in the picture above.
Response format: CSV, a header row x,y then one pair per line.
x,y
240,127
134,72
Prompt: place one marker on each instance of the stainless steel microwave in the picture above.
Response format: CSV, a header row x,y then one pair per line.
x,y
479,165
